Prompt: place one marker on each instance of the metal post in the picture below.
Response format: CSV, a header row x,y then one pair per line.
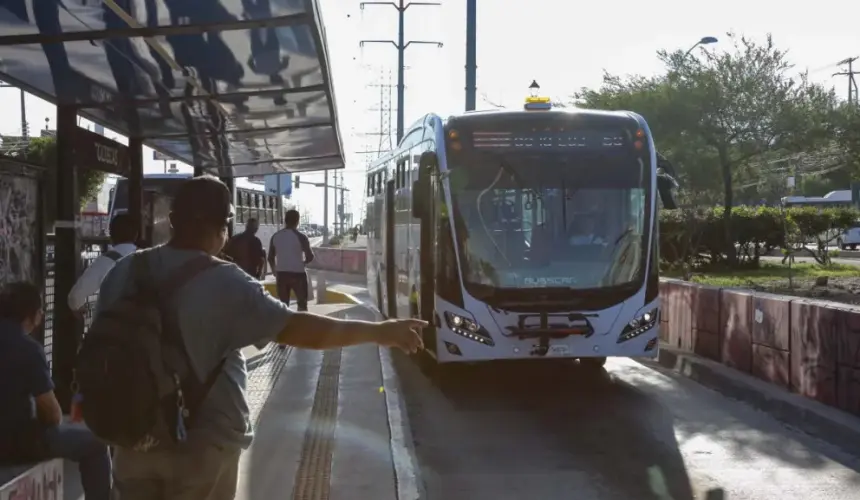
x,y
342,209
281,201
135,184
25,133
231,185
67,329
401,88
325,207
471,53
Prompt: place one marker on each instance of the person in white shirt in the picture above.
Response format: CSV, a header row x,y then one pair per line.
x,y
289,252
123,235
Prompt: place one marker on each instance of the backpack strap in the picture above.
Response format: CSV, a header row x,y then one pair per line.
x,y
186,273
113,255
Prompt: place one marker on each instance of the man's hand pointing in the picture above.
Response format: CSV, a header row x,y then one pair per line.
x,y
401,333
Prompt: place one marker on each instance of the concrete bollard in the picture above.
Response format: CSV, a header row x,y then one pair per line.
x,y
320,291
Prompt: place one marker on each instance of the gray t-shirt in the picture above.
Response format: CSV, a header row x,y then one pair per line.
x,y
221,311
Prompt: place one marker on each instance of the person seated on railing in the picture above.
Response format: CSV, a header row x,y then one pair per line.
x,y
123,234
31,427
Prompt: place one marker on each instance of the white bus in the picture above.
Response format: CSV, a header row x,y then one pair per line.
x,y
521,234
250,202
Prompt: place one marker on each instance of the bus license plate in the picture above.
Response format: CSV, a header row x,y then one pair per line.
x,y
559,350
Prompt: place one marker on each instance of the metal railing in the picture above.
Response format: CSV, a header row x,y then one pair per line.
x,y
92,247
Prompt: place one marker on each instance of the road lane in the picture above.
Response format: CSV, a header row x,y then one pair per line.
x,y
558,432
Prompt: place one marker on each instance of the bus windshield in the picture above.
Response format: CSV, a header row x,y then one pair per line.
x,y
572,220
165,186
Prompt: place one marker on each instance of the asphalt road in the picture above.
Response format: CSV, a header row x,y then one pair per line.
x,y
631,432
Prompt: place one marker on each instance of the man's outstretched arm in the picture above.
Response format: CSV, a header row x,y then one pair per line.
x,y
314,331
260,317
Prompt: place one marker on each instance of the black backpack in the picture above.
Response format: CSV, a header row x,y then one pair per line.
x,y
137,386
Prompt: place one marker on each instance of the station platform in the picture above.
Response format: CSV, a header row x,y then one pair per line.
x,y
322,422
327,423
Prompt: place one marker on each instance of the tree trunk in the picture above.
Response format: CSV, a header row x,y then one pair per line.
x,y
728,201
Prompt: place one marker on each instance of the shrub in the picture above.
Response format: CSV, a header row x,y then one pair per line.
x,y
695,237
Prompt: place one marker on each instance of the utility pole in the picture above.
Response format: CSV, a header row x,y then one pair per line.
x,y
325,205
401,46
342,209
852,84
471,53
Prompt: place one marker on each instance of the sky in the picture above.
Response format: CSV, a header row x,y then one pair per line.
x,y
562,45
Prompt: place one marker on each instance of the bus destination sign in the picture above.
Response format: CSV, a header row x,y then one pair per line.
x,y
556,140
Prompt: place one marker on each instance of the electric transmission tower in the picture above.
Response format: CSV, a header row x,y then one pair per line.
x,y
383,112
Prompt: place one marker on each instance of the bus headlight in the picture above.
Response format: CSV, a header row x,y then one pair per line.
x,y
640,324
468,328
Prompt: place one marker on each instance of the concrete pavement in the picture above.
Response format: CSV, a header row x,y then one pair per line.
x,y
324,432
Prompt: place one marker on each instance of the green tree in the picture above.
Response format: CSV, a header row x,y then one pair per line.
x,y
716,113
846,131
43,151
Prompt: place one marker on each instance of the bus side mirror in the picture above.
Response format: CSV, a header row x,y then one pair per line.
x,y
666,185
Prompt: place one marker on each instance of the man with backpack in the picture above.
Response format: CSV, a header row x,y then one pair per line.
x,y
123,234
161,372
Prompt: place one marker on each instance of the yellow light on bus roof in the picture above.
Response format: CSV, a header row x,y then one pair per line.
x,y
535,102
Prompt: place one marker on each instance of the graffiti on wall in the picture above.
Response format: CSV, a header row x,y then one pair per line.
x,y
19,225
42,482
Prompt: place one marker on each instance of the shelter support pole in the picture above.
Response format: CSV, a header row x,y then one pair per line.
x,y
135,186
231,185
67,328
471,53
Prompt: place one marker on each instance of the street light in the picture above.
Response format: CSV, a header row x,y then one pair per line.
x,y
707,40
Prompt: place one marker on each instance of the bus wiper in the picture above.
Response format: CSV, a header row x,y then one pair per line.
x,y
504,165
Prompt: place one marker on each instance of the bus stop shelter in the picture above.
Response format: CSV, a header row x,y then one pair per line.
x,y
233,87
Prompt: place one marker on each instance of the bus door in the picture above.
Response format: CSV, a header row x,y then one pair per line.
x,y
389,238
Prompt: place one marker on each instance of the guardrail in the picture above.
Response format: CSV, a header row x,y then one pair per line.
x,y
810,347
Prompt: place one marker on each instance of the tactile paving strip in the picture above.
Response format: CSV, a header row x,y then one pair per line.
x,y
313,477
262,378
